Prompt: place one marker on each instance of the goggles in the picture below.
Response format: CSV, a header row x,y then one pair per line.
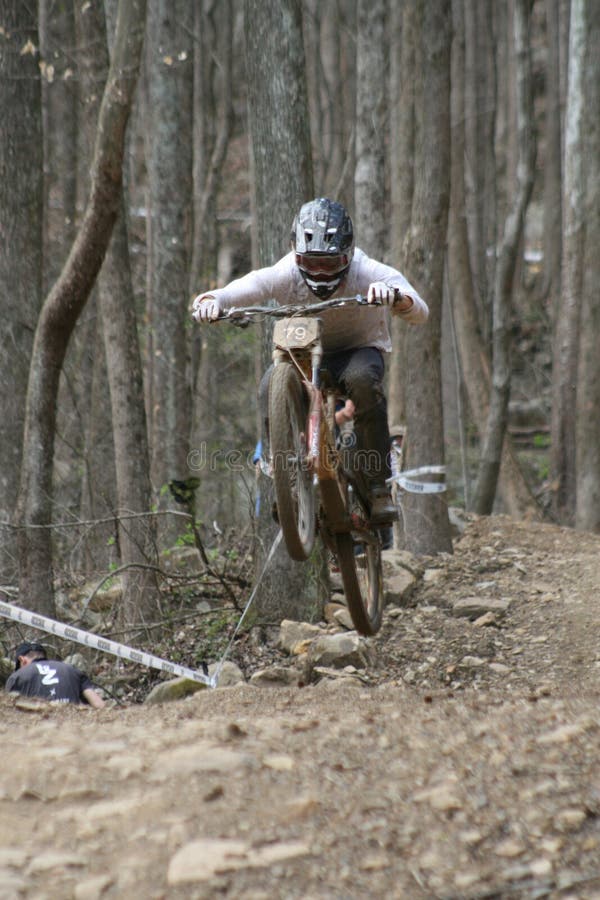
x,y
321,264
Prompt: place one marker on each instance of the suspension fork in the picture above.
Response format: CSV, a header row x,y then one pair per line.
x,y
315,414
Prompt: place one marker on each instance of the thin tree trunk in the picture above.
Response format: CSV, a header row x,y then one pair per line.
x,y
213,121
20,243
426,525
402,148
278,114
59,112
169,161
370,218
552,237
97,496
513,490
493,439
63,306
588,400
136,536
329,30
479,161
566,349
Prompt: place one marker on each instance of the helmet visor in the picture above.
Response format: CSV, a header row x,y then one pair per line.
x,y
321,264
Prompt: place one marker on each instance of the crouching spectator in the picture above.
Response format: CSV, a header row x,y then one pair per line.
x,y
37,676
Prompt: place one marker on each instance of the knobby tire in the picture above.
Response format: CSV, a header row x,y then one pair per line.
x,y
292,479
359,559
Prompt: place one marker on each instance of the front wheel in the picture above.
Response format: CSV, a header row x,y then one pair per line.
x,y
292,478
359,558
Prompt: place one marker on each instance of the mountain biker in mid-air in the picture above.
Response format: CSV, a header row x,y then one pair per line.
x,y
324,263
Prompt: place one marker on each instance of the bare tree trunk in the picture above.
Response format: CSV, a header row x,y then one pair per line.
x,y
513,490
213,121
136,536
20,242
566,350
59,112
426,525
479,162
170,58
329,34
552,238
97,495
63,306
402,148
370,216
588,381
278,114
493,439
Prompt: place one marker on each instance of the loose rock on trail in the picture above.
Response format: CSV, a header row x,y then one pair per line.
x,y
462,761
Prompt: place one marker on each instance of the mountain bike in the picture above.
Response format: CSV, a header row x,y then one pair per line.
x,y
318,489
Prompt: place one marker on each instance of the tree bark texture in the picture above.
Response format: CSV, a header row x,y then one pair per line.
x,y
60,121
213,122
170,73
402,125
493,438
278,117
369,216
588,400
514,493
566,349
20,243
62,308
88,423
552,238
136,536
426,525
215,62
479,159
402,148
330,36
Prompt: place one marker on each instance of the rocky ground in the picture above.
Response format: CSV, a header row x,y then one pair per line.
x,y
456,755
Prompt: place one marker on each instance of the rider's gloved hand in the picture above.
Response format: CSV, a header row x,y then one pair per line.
x,y
380,292
206,308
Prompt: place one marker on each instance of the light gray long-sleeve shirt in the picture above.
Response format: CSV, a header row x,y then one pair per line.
x,y
343,329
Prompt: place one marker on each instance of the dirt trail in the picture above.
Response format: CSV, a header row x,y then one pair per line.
x,y
467,766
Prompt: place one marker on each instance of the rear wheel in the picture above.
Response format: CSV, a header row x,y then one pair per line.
x,y
292,478
359,558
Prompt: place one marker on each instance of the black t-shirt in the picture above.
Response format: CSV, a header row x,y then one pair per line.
x,y
50,680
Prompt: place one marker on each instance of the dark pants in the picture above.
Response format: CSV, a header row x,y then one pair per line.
x,y
358,375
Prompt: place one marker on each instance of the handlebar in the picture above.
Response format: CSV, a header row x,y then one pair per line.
x,y
243,315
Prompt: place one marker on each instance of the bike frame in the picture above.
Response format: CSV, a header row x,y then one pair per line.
x,y
307,438
298,339
296,336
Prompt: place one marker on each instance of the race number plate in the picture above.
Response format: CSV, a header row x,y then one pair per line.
x,y
296,333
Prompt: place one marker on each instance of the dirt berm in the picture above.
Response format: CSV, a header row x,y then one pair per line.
x,y
463,763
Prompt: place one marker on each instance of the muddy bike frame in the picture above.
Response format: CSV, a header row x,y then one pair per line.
x,y
304,455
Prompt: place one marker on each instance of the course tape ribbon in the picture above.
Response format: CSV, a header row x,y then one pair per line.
x,y
99,643
405,480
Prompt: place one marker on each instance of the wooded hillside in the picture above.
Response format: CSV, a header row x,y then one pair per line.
x,y
151,150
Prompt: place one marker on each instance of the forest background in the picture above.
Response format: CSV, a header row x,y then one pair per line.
x,y
151,150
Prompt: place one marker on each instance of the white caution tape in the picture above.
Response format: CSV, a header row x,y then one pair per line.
x,y
99,643
405,480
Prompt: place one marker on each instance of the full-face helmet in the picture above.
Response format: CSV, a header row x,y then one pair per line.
x,y
323,240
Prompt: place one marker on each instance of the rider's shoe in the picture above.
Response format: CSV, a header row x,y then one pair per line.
x,y
383,509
